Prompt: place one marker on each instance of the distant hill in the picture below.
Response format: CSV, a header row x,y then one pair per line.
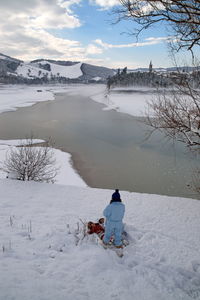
x,y
13,70
45,70
8,64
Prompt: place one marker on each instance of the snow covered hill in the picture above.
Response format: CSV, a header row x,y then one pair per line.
x,y
43,258
52,70
8,65
46,70
36,70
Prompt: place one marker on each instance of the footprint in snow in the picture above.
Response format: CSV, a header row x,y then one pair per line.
x,y
196,266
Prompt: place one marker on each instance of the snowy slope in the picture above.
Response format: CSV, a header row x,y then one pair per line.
x,y
50,69
32,70
2,57
28,70
6,57
73,71
39,258
76,70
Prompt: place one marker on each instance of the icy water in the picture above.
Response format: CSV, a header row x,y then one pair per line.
x,y
108,148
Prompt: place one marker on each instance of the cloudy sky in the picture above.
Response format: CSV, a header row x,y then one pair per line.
x,y
78,30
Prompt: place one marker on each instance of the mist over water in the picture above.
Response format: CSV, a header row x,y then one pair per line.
x,y
109,149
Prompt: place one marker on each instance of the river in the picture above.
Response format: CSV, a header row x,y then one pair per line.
x,y
108,148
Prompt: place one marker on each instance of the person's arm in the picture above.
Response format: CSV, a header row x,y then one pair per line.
x,y
107,212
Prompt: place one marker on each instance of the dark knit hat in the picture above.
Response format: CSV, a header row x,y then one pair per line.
x,y
116,196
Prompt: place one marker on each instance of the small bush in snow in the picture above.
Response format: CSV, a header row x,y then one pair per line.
x,y
31,163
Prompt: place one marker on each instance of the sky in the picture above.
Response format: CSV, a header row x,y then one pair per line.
x,y
78,30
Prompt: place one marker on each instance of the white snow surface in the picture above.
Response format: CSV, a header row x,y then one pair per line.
x,y
3,57
32,70
29,70
133,101
66,173
97,78
41,258
14,96
73,71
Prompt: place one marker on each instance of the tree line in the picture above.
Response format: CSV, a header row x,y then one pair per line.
x,y
152,78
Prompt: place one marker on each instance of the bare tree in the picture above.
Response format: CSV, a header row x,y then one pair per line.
x,y
182,16
31,163
177,114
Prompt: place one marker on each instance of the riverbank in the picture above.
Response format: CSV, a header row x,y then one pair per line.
x,y
15,96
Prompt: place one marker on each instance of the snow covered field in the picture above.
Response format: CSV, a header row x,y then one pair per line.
x,y
40,258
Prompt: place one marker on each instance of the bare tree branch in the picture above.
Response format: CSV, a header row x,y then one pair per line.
x,y
182,16
177,114
31,163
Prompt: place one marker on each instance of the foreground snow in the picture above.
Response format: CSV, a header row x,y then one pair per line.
x,y
39,258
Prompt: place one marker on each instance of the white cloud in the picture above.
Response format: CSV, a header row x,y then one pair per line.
x,y
93,49
146,8
148,41
105,3
24,29
39,13
68,3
